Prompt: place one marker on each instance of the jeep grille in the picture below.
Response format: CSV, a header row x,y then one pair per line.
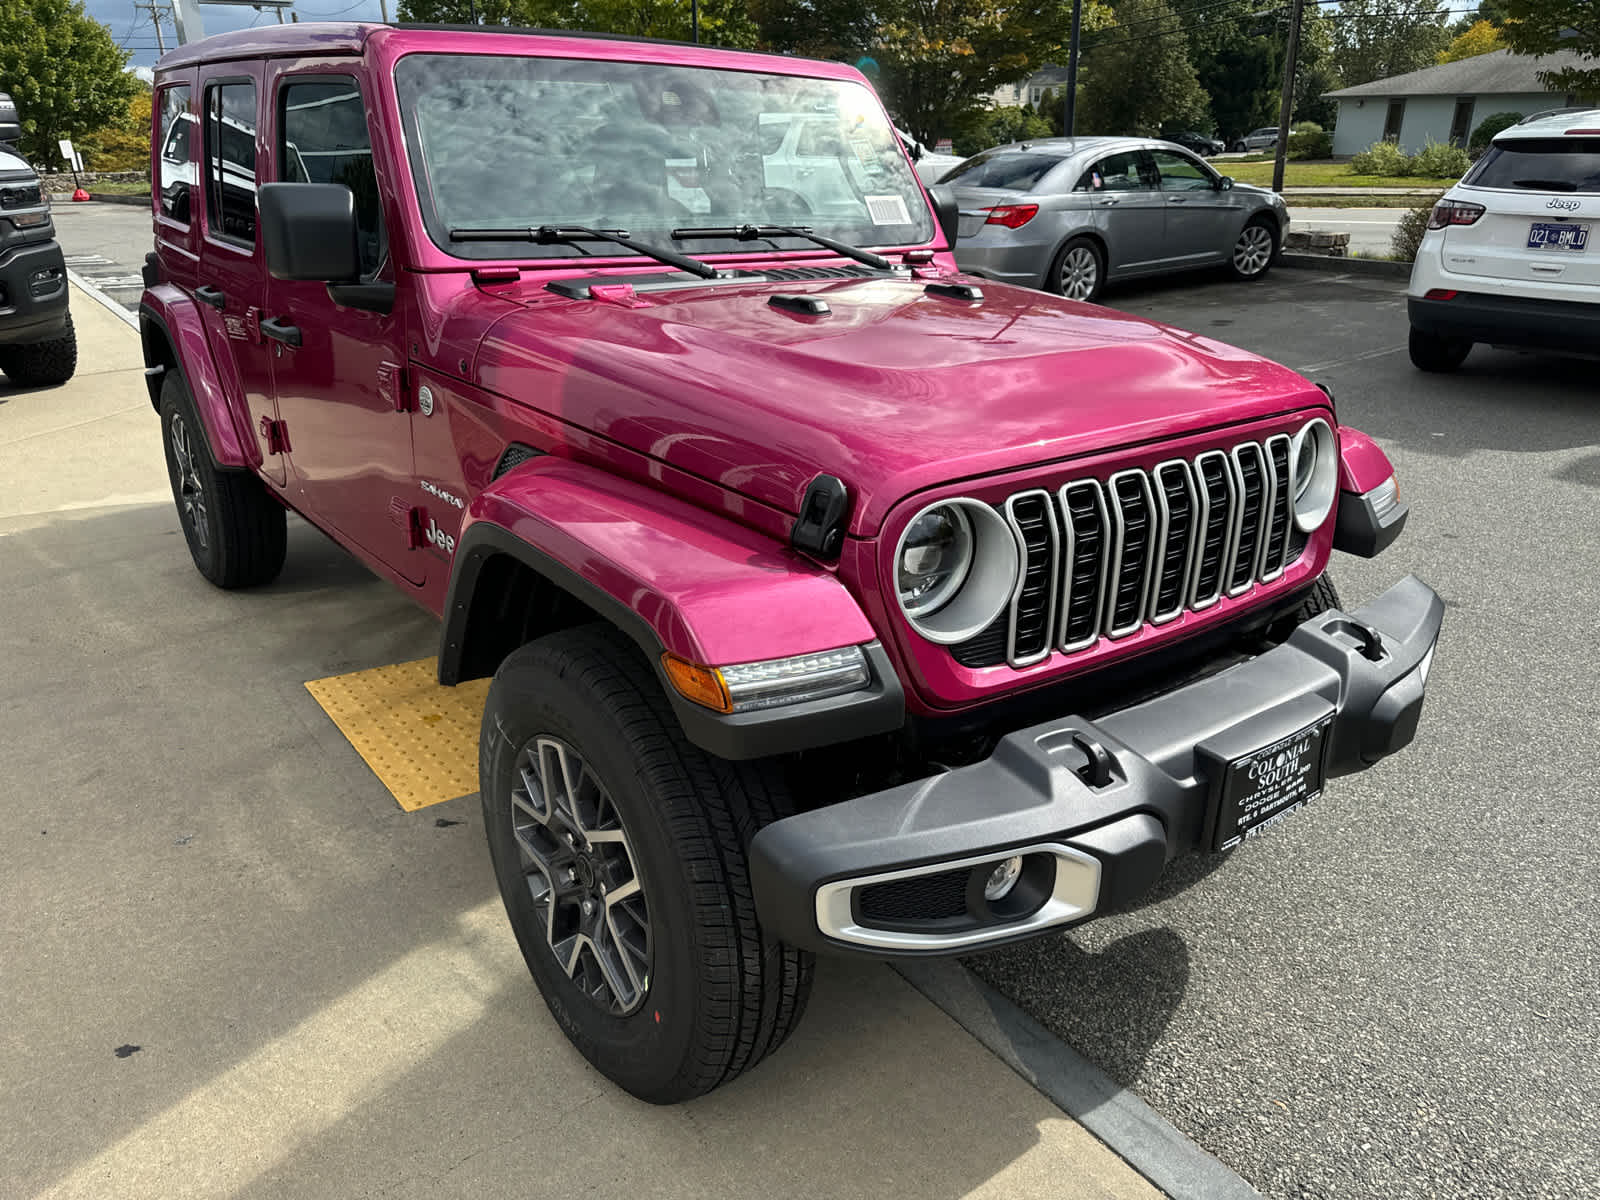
x,y
1104,559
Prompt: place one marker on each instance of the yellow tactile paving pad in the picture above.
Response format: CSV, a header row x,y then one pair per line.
x,y
420,739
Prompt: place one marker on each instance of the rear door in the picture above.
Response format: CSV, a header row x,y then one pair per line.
x,y
339,381
230,272
1541,221
1128,209
1202,220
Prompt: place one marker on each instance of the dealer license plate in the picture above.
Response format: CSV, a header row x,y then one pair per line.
x,y
1550,236
1271,784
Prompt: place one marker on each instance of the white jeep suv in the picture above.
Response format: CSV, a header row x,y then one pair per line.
x,y
1510,256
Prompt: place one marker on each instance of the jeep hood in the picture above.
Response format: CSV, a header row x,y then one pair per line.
x,y
893,390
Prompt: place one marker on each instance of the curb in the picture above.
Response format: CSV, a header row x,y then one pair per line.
x,y
1346,266
1142,1137
94,293
136,201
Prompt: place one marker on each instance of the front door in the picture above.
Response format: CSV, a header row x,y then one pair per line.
x,y
229,278
340,387
1200,215
1128,210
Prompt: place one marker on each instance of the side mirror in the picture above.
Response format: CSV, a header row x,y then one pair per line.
x,y
1225,184
946,210
308,231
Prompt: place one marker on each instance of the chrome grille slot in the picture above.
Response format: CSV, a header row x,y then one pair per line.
x,y
1275,554
1033,519
1175,500
1250,472
1088,545
1105,559
1135,533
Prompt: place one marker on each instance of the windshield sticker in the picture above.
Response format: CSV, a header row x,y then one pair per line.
x,y
865,152
888,210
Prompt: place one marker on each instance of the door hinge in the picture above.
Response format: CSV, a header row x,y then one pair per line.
x,y
410,518
276,436
395,387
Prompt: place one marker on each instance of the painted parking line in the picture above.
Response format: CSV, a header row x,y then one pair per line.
x,y
419,738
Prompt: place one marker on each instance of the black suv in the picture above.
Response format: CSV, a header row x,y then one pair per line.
x,y
37,342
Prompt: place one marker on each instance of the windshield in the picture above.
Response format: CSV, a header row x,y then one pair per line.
x,y
1012,169
1565,164
514,142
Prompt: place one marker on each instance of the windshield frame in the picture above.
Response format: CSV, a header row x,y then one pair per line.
x,y
414,168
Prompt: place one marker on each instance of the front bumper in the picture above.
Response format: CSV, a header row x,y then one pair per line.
x,y
33,293
1565,325
1096,808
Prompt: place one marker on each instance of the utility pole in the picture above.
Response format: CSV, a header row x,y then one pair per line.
x,y
694,19
383,7
1286,106
155,19
1069,107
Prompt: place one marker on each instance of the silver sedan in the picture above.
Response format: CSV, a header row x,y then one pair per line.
x,y
1069,214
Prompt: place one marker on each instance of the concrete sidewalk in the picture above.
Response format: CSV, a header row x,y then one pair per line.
x,y
230,965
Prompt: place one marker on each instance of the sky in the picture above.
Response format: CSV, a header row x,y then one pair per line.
x,y
131,27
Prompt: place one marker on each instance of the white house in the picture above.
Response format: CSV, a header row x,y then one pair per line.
x,y
1446,102
1030,90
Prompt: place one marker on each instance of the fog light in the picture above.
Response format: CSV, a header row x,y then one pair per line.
x,y
1003,878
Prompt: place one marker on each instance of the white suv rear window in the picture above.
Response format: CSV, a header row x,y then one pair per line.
x,y
1561,164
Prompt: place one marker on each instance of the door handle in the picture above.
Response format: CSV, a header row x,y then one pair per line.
x,y
207,294
1176,200
1108,202
275,329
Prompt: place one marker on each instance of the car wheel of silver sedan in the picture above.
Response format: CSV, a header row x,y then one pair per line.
x,y
1079,271
1252,253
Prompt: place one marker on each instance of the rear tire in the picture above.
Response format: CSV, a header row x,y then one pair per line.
x,y
1078,271
684,990
42,364
237,533
1440,355
1254,250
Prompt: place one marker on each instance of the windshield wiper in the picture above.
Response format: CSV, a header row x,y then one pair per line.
x,y
550,235
761,233
1546,185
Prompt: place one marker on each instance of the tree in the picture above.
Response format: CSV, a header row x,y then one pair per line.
x,y
123,145
1137,74
1375,39
722,22
1478,38
1540,26
64,70
998,126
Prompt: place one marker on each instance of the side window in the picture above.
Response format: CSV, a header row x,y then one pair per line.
x,y
1180,173
175,170
1115,173
230,140
323,138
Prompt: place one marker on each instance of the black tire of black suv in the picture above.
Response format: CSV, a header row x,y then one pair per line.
x,y
42,364
718,994
1439,355
237,533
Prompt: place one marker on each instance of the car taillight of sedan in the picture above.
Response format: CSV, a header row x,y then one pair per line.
x,y
1012,216
1454,212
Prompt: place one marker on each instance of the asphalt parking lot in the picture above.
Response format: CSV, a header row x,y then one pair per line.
x,y
1394,994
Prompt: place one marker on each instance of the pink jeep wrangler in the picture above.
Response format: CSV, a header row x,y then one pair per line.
x,y
833,602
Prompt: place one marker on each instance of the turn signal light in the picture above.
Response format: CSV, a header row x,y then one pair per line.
x,y
1012,216
1454,212
703,685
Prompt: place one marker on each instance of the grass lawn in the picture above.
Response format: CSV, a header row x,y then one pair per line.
x,y
1323,174
121,187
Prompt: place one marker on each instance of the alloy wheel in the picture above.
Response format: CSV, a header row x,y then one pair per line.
x,y
1253,251
191,493
581,874
1080,272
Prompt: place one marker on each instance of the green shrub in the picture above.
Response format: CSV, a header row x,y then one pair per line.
x,y
1440,160
1305,127
1488,127
1408,232
1309,142
1380,158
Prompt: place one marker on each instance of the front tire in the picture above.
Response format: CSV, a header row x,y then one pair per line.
x,y
1440,355
1254,249
590,791
1240,148
1078,271
237,533
42,364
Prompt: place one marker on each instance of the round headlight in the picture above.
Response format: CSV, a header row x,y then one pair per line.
x,y
1314,474
935,556
955,569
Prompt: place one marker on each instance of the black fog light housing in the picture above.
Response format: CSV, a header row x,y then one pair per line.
x,y
44,281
